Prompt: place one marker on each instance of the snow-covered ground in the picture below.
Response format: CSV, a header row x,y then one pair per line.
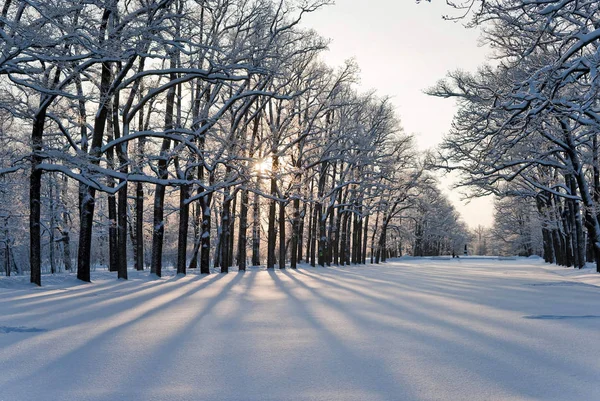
x,y
412,329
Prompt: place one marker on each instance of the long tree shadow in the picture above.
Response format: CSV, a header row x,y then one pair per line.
x,y
101,303
161,353
366,331
167,354
494,342
381,381
121,314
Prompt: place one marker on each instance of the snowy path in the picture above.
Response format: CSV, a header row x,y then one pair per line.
x,y
407,330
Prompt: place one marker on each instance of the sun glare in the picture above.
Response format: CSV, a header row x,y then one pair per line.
x,y
263,165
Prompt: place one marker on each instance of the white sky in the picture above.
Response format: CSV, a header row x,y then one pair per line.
x,y
403,48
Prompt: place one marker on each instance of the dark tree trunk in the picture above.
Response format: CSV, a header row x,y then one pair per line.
x,y
113,257
295,233
578,227
348,237
232,229
184,217
330,227
35,182
373,251
301,232
338,226
35,193
357,238
122,231
584,191
122,195
139,202
382,244
53,227
88,194
224,238
548,245
198,218
313,235
205,204
272,237
65,230
343,240
205,237
256,229
158,228
197,226
322,241
321,217
322,220
139,226
364,240
281,235
243,230
309,239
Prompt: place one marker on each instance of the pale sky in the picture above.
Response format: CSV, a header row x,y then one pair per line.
x,y
403,48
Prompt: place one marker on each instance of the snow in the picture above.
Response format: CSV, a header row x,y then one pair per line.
x,y
411,329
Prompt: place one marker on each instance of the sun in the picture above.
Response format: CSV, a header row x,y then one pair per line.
x,y
263,165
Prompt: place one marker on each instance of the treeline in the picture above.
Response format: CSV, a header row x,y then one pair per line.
x,y
527,128
193,131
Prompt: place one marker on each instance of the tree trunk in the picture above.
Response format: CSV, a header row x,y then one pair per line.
x,y
587,199
373,251
243,231
301,232
51,241
113,235
158,228
357,237
271,235
139,202
232,229
281,235
382,243
364,240
122,220
197,226
184,216
337,228
225,226
35,193
309,236
321,217
205,204
343,239
295,233
348,238
139,226
88,194
256,229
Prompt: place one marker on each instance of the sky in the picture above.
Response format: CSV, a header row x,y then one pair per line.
x,y
403,48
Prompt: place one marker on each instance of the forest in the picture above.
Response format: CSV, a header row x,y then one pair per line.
x,y
527,125
209,134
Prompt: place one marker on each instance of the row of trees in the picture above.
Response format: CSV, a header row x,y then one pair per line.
x,y
528,126
200,128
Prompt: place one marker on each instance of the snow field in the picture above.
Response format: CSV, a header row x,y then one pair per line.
x,y
412,329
